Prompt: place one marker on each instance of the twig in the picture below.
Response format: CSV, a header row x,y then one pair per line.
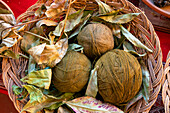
x,y
37,36
65,20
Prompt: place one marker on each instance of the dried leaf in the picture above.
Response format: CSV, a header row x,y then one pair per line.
x,y
92,87
134,100
52,37
30,40
2,49
83,22
8,18
9,42
11,54
54,106
38,100
145,81
40,78
71,22
40,10
129,48
4,11
54,9
3,31
46,22
75,47
63,110
103,8
56,52
116,31
31,64
89,104
136,42
48,111
120,19
20,28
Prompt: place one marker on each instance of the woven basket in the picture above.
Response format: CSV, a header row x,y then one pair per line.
x,y
166,85
13,70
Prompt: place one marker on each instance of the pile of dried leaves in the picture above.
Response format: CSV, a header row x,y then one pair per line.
x,y
46,41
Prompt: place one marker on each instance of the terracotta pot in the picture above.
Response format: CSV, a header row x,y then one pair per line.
x,y
164,11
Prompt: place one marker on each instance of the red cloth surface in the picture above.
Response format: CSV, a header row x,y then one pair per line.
x,y
20,6
165,43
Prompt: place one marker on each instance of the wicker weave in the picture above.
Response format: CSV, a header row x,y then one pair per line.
x,y
13,70
166,85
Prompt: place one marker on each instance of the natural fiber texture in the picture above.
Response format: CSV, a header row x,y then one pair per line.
x,y
166,85
72,73
119,76
13,70
96,39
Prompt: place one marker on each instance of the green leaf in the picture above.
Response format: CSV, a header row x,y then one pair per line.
x,y
89,104
35,93
38,100
75,47
82,24
17,90
145,81
30,40
40,78
72,21
120,19
56,52
103,8
20,92
92,87
129,48
136,42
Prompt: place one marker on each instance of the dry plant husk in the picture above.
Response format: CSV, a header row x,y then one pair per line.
x,y
119,76
72,73
96,39
141,27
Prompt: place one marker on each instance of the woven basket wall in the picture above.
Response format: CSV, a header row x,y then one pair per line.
x,y
166,85
13,70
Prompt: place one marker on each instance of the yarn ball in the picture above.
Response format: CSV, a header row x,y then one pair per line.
x,y
96,39
119,76
72,72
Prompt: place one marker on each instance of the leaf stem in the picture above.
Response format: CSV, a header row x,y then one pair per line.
x,y
37,36
65,20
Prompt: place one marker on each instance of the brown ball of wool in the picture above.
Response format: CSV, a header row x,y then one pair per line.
x,y
119,76
96,39
72,73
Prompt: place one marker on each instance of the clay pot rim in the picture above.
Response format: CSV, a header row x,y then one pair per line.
x,y
157,9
